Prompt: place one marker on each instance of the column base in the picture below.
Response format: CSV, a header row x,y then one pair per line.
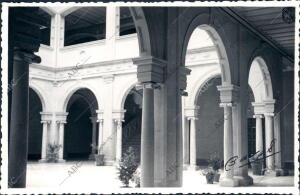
x,y
244,180
92,157
279,172
229,182
186,167
61,161
109,163
270,172
193,167
43,160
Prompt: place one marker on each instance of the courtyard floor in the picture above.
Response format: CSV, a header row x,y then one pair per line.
x,y
85,174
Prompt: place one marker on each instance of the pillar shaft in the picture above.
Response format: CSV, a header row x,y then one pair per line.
x,y
119,140
44,140
193,158
228,141
186,143
18,139
61,141
270,149
100,137
147,142
228,179
259,134
94,138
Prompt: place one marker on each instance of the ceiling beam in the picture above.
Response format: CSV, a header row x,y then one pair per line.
x,y
245,23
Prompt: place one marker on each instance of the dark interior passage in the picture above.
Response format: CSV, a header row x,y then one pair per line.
x,y
78,130
35,128
209,126
131,129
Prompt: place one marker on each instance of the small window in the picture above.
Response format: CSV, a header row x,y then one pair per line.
x,y
45,22
126,22
84,25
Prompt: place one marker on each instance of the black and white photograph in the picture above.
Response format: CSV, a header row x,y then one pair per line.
x,y
182,97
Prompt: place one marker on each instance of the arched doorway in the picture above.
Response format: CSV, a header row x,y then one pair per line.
x,y
35,130
209,133
78,136
131,128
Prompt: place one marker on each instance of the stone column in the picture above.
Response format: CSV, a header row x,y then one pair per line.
x,y
94,138
270,143
112,31
186,143
44,141
61,141
119,140
228,179
147,142
277,135
193,145
18,140
100,136
259,134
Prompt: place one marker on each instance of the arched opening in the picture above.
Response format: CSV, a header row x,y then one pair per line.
x,y
131,127
209,133
207,58
35,128
78,138
260,90
84,25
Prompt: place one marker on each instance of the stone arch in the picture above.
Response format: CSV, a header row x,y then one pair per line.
x,y
124,93
142,30
38,91
200,84
217,35
65,99
266,79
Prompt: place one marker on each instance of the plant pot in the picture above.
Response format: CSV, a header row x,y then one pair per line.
x,y
217,177
257,168
99,159
209,179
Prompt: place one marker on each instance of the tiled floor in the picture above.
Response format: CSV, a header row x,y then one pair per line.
x,y
87,175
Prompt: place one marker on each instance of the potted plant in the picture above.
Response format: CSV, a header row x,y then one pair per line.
x,y
136,179
256,164
99,158
215,163
209,173
127,166
52,152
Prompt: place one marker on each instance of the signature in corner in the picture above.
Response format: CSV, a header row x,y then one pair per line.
x,y
259,156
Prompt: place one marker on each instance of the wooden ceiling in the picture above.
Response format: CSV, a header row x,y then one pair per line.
x,y
270,23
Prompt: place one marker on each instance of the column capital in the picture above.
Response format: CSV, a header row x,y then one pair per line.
x,y
227,104
61,116
191,111
269,105
147,85
269,114
118,114
258,116
45,121
61,122
46,116
150,69
191,118
229,93
100,121
100,115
